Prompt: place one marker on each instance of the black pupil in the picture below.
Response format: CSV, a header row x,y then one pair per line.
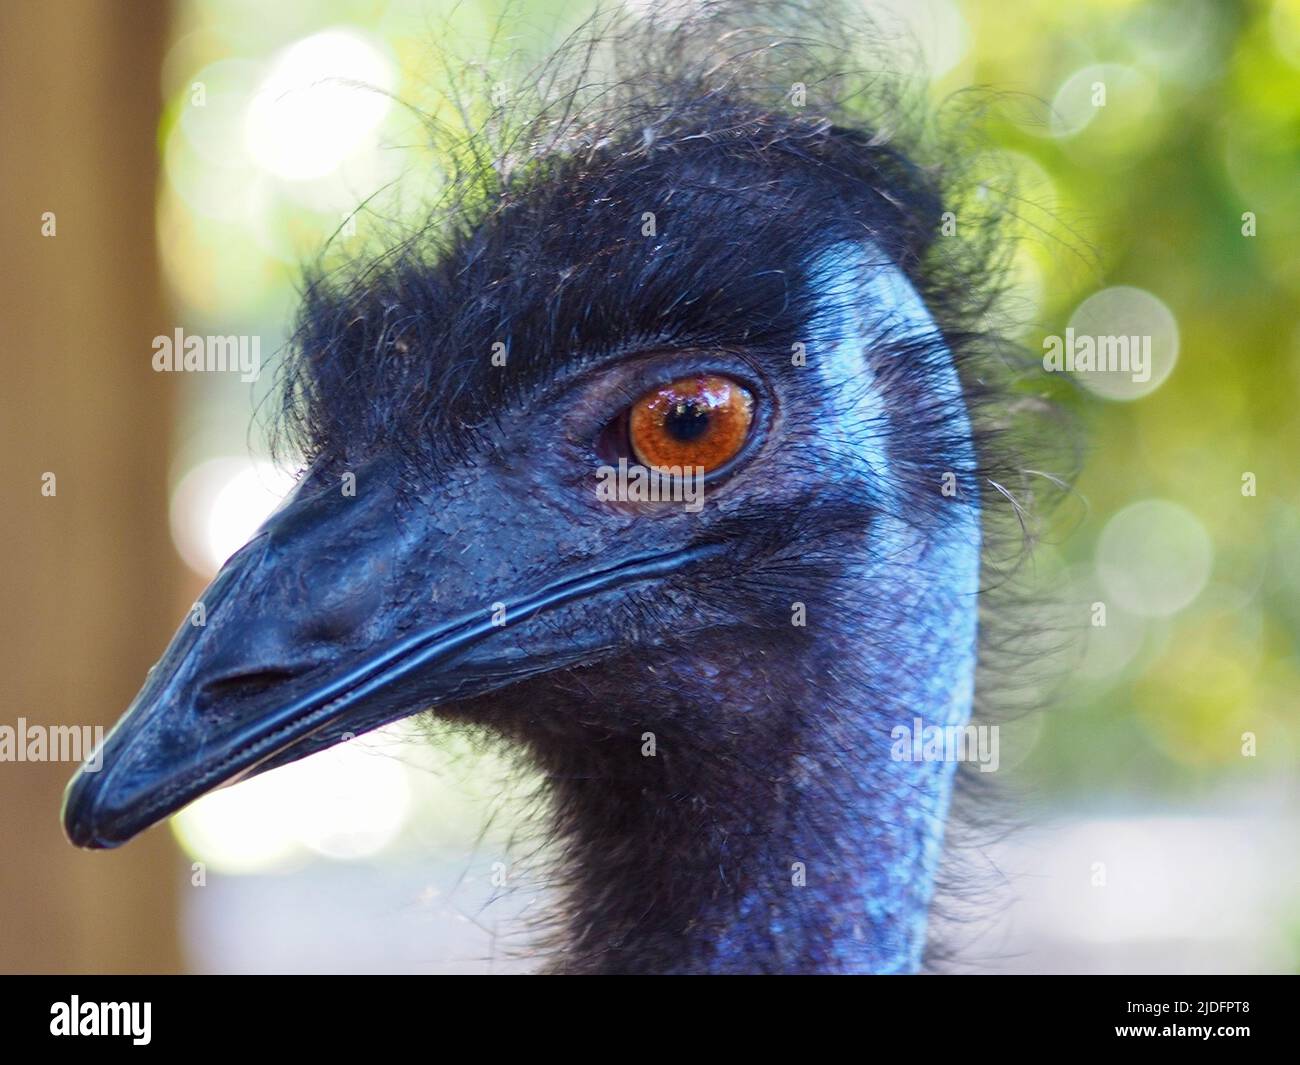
x,y
686,422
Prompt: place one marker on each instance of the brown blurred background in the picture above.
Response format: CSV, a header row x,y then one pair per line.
x,y
85,569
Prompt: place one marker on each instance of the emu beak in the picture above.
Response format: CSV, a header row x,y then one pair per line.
x,y
344,613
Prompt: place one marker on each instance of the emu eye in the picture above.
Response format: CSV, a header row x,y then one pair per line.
x,y
694,421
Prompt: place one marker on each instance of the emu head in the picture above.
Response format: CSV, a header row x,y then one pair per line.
x,y
713,692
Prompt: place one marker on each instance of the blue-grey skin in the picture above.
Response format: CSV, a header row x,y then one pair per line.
x,y
892,813
345,612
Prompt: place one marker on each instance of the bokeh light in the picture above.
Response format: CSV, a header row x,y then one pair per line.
x,y
218,506
1154,557
1135,341
1088,92
936,28
346,803
321,99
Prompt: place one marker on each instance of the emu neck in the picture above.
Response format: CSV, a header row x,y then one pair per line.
x,y
784,837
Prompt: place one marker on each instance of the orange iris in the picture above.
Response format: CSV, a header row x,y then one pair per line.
x,y
694,421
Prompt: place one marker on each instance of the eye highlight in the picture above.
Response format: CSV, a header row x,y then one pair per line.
x,y
694,421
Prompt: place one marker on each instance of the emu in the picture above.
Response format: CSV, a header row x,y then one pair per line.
x,y
676,269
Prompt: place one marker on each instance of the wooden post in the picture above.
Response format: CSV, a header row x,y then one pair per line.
x,y
88,577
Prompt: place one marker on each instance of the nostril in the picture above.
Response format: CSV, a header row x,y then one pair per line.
x,y
241,686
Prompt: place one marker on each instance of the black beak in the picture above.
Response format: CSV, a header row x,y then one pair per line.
x,y
344,613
